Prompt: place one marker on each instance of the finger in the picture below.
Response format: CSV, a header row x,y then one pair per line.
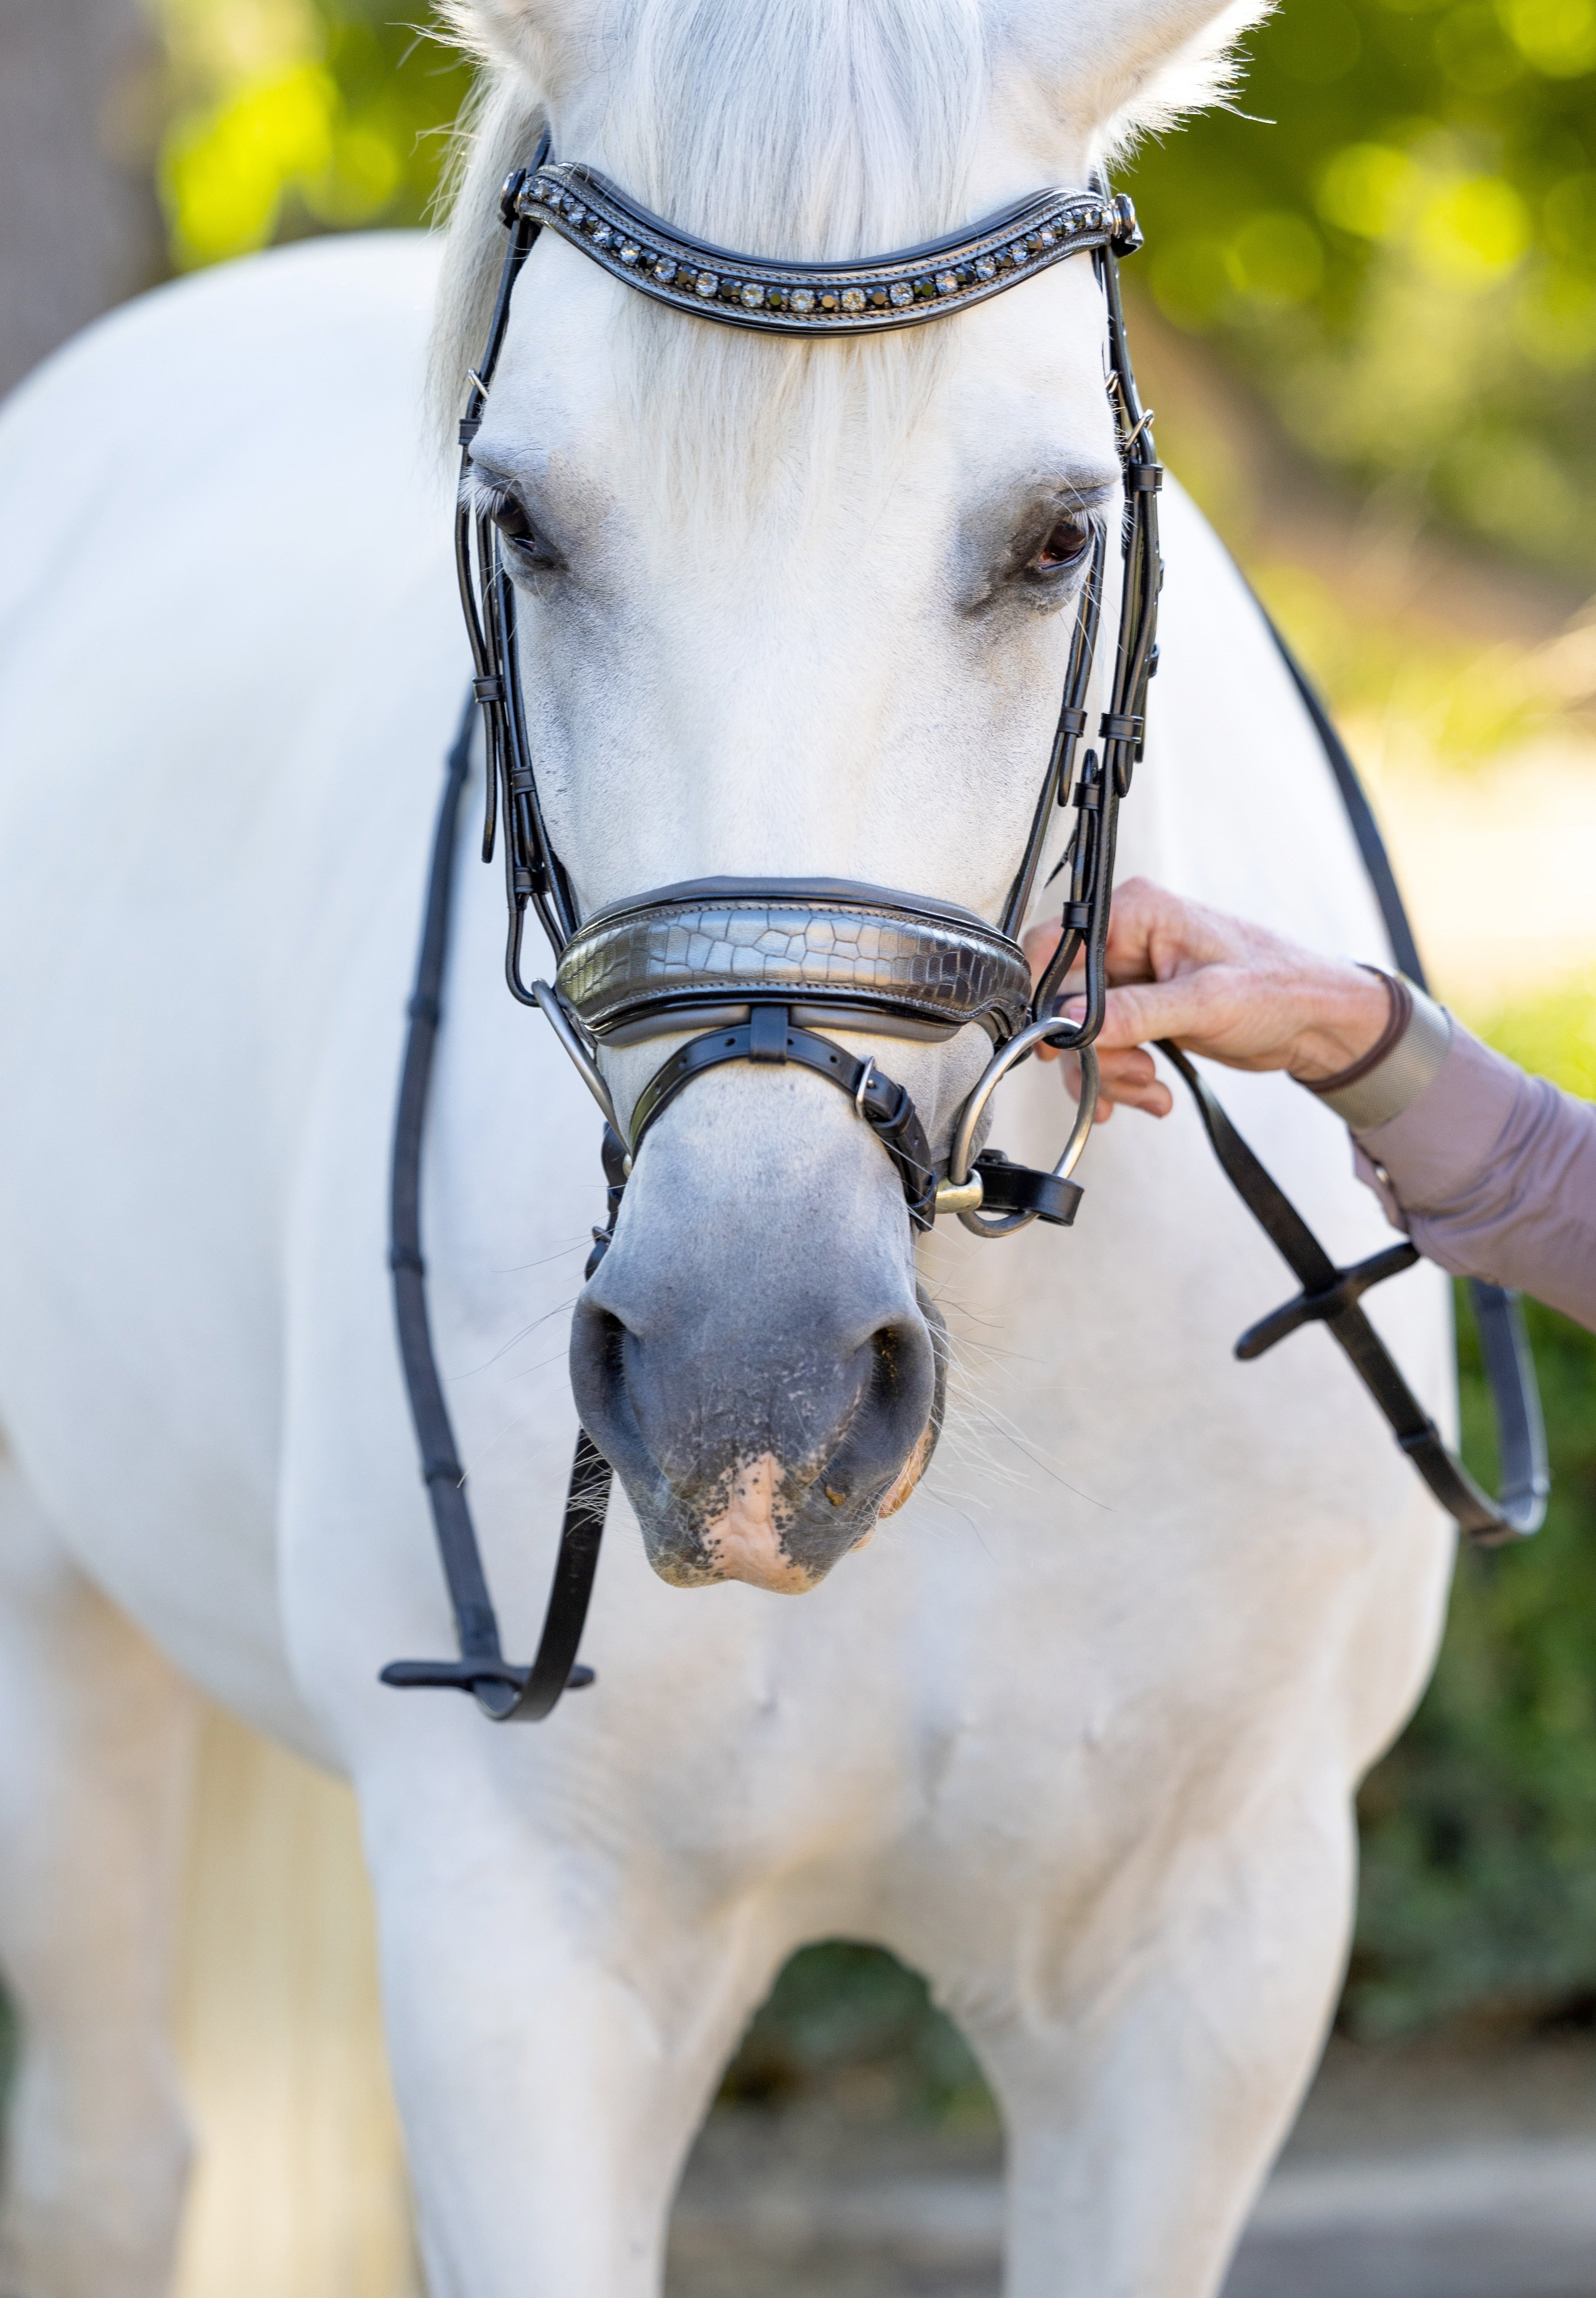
x,y
1155,1099
1121,1071
1183,1008
1154,934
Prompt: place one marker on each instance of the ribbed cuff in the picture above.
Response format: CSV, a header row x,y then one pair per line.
x,y
1396,1081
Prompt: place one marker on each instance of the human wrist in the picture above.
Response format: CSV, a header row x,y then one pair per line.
x,y
1398,1069
1349,1010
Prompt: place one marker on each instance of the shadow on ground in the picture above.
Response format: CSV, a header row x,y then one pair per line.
x,y
1435,2170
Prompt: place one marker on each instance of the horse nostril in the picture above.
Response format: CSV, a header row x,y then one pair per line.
x,y
754,1444
609,1344
894,1353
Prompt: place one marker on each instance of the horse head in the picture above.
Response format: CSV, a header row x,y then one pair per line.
x,y
792,610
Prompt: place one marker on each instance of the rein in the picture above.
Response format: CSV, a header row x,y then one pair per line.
x,y
760,968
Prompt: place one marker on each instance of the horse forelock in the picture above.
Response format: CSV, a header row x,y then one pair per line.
x,y
809,129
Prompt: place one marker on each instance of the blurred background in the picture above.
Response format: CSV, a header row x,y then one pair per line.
x,y
1366,319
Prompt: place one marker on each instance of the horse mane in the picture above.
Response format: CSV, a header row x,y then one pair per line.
x,y
812,128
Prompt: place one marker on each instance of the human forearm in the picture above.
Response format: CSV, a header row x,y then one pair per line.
x,y
1493,1174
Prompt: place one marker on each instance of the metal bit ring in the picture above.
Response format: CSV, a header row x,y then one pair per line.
x,y
975,1109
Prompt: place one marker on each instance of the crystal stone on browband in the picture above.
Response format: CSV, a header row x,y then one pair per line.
x,y
830,299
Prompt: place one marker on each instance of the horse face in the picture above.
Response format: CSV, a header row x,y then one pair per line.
x,y
792,610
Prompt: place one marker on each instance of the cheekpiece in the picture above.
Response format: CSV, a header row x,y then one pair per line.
x,y
634,971
818,299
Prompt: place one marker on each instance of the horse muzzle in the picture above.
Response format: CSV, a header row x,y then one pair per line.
x,y
762,1398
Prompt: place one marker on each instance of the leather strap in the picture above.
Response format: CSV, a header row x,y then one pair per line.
x,y
1330,1296
502,1689
770,1036
1497,1312
1007,1187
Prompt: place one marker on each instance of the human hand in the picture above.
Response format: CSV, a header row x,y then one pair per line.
x,y
1219,986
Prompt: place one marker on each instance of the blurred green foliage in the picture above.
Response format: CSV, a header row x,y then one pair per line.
x,y
1393,237
1479,1829
1411,691
850,2019
291,116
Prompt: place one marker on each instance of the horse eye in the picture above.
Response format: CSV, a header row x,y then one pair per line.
x,y
1067,542
510,516
528,548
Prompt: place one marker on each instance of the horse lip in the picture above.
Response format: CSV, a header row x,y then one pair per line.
x,y
912,1470
813,1513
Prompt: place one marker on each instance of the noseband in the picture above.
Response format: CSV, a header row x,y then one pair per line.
x,y
759,971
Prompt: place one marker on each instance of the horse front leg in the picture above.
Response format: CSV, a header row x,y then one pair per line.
x,y
1147,2100
96,1735
555,2037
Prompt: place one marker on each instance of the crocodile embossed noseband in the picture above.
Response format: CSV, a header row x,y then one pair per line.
x,y
761,970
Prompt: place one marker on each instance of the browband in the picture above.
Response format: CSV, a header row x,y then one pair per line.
x,y
826,299
638,969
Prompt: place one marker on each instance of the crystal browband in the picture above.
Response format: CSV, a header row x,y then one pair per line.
x,y
807,299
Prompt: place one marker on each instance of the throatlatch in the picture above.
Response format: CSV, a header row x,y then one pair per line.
x,y
761,968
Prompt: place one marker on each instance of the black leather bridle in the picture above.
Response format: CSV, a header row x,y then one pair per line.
x,y
759,969
763,966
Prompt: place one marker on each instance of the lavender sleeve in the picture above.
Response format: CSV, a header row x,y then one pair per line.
x,y
1492,1173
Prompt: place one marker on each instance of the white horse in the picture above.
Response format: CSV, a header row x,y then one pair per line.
x,y
1077,1734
